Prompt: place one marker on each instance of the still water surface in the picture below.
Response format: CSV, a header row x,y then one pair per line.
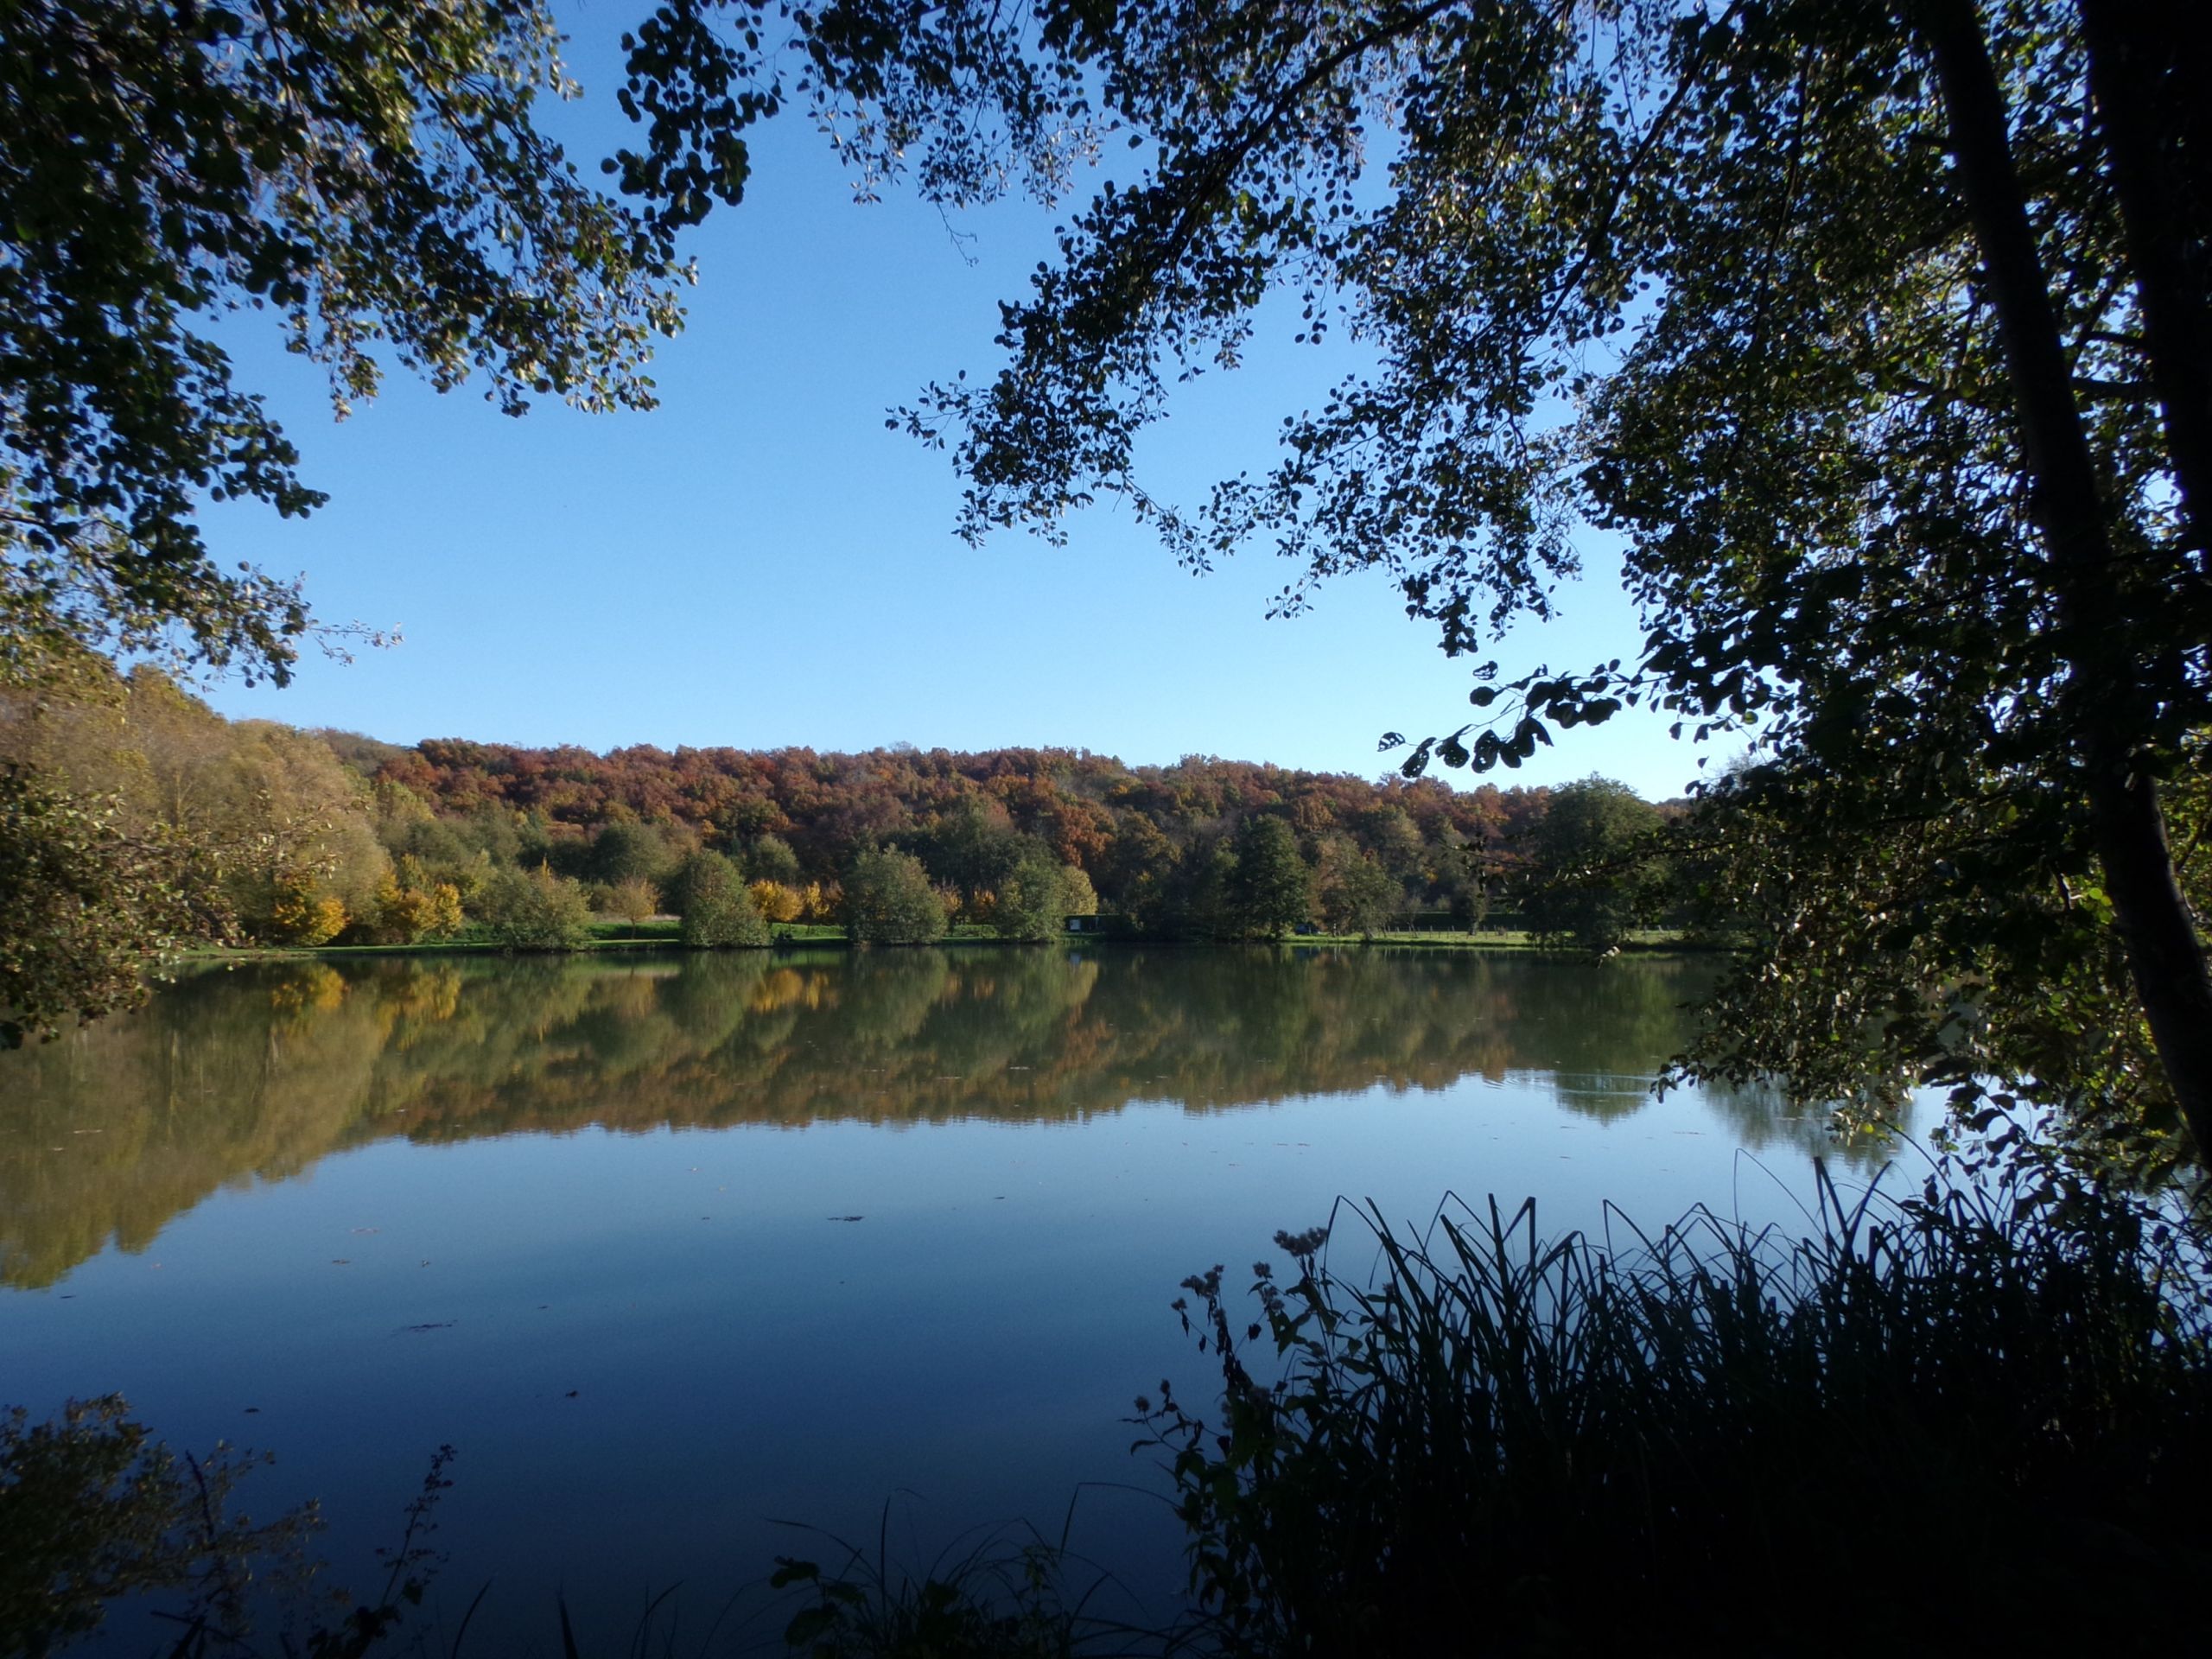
x,y
670,1247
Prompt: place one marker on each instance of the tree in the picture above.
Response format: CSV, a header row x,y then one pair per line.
x,y
1595,873
715,907
411,906
770,858
1390,834
625,851
1202,901
439,853
633,898
1141,871
974,847
1883,335
1353,891
776,902
537,909
1269,891
1465,877
299,913
274,820
85,903
1077,896
371,172
1031,900
889,900
819,904
286,819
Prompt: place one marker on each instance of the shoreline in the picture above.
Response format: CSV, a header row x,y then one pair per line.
x,y
1657,942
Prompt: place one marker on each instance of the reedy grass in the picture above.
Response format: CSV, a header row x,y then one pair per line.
x,y
1005,1592
1983,1413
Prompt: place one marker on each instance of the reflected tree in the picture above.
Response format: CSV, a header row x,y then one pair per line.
x,y
93,1510
258,1070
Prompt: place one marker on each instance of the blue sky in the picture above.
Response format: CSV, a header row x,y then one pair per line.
x,y
760,562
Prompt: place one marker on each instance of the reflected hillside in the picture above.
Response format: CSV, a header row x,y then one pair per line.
x,y
257,1070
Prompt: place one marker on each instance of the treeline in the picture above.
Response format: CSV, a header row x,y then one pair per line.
x,y
1020,839
897,843
278,835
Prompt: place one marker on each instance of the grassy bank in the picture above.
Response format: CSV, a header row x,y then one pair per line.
x,y
658,932
1654,938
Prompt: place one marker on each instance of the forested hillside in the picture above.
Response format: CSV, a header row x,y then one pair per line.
x,y
800,818
280,836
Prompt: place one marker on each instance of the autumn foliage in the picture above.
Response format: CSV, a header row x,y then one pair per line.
x,y
308,838
797,820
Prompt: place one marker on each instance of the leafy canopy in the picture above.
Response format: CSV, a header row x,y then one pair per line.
x,y
1733,281
1598,875
372,173
86,900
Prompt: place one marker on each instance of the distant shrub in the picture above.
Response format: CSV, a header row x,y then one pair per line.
x,y
889,900
717,909
302,916
776,902
537,909
1030,902
410,907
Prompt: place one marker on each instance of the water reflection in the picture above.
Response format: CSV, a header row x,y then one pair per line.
x,y
258,1070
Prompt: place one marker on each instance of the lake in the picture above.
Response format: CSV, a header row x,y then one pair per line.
x,y
673,1247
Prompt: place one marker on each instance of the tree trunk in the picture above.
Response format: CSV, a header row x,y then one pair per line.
x,y
2109,703
2148,60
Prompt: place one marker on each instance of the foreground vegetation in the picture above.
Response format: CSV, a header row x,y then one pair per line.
x,y
1978,1415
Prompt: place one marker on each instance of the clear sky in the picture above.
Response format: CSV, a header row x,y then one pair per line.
x,y
760,562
